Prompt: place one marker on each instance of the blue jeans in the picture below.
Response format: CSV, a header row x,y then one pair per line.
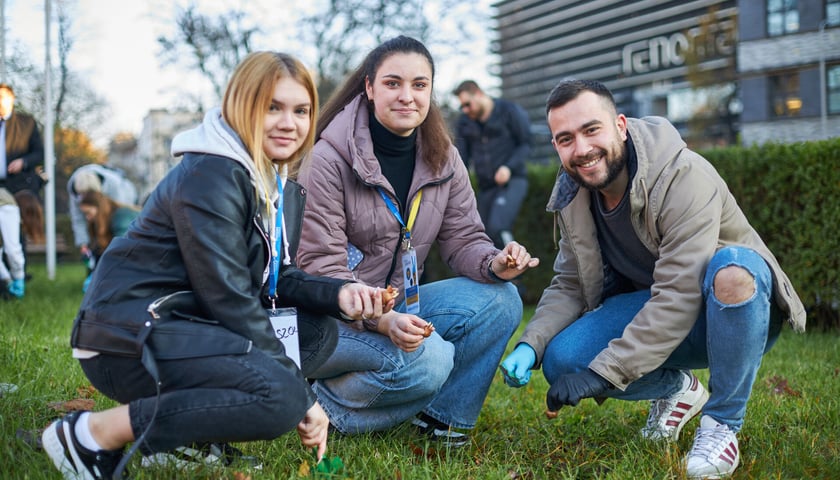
x,y
729,340
224,398
369,384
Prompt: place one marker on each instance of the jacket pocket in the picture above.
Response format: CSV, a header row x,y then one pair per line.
x,y
179,339
106,338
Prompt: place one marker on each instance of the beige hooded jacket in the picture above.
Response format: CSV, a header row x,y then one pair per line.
x,y
683,212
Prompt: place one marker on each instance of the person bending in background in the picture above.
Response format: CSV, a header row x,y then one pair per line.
x,y
659,272
177,323
106,219
95,178
385,183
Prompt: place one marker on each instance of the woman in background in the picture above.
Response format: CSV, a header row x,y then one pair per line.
x,y
105,219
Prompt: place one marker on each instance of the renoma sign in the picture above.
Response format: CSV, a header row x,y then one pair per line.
x,y
670,51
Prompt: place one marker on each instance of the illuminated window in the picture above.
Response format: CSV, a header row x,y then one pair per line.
x,y
832,13
833,84
784,95
782,17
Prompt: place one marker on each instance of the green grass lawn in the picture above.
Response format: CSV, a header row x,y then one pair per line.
x,y
791,430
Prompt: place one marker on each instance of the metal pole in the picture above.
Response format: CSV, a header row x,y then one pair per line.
x,y
3,41
823,108
49,146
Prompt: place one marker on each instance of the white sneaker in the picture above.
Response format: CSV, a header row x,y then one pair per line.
x,y
669,415
715,451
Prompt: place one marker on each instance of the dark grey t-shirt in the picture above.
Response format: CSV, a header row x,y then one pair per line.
x,y
620,246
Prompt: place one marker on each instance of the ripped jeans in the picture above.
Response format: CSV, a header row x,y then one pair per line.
x,y
729,340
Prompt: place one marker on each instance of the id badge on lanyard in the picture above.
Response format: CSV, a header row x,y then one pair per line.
x,y
411,280
283,320
411,283
284,323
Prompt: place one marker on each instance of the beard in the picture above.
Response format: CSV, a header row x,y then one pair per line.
x,y
615,159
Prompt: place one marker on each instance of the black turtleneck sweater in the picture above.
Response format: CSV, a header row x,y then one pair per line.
x,y
396,156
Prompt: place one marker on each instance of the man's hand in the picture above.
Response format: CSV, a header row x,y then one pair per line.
x,y
15,166
502,176
516,368
571,388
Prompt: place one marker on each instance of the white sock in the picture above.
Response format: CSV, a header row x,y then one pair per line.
x,y
83,435
686,380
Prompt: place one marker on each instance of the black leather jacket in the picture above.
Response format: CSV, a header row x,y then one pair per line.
x,y
190,274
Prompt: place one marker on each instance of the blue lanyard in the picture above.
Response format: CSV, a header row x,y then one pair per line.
x,y
412,216
391,206
277,250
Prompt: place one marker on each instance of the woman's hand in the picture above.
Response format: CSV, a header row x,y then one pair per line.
x,y
512,262
362,302
313,429
406,331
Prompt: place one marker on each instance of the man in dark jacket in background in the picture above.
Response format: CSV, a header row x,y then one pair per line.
x,y
24,153
493,137
22,161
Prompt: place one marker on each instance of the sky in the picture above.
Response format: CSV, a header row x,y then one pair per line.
x,y
116,48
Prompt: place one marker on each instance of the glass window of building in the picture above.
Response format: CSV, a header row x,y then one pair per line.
x,y
832,12
833,84
782,17
784,95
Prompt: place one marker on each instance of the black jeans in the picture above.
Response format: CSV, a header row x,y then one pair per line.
x,y
499,207
224,398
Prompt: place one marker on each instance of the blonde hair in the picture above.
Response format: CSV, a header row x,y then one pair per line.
x,y
247,99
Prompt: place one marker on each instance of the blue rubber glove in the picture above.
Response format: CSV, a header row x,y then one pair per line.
x,y
516,368
86,283
571,388
17,287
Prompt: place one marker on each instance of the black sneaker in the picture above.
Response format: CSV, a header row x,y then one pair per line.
x,y
200,454
74,461
439,431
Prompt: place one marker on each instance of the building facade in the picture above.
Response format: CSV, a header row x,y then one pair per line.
x,y
688,61
155,143
789,70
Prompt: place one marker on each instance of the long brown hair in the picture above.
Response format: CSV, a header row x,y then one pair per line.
x,y
433,133
31,215
99,228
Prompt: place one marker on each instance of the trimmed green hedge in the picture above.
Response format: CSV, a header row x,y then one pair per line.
x,y
789,192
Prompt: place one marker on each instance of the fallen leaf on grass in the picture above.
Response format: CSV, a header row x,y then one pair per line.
x,y
86,392
779,386
73,405
303,469
241,476
429,453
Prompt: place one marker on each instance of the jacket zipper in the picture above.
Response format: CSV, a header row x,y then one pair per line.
x,y
152,308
